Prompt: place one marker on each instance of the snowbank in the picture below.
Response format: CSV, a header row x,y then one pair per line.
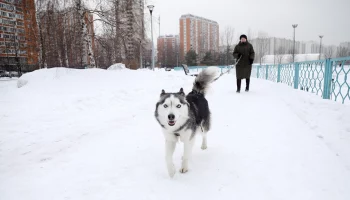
x,y
41,76
117,66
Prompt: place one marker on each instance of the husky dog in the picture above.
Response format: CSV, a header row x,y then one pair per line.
x,y
183,116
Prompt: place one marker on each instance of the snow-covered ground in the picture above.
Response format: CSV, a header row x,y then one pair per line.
x,y
91,134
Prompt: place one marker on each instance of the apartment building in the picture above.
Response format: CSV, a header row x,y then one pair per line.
x,y
18,33
168,50
198,34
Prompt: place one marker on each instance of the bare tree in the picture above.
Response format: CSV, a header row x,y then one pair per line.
x,y
262,46
87,45
328,52
227,38
39,7
125,19
343,51
280,54
55,33
250,34
61,34
67,38
66,61
117,41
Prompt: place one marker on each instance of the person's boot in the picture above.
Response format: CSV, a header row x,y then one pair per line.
x,y
239,81
247,84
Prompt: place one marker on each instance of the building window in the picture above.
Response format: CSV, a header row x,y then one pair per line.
x,y
11,15
19,9
19,16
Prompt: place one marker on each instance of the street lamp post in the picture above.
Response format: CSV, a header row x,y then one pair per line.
x,y
321,36
294,26
150,7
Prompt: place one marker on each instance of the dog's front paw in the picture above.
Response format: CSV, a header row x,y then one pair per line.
x,y
204,147
171,170
183,170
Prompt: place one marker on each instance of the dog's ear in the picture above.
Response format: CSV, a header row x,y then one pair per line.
x,y
163,93
181,92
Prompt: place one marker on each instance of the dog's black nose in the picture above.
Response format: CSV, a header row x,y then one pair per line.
x,y
171,117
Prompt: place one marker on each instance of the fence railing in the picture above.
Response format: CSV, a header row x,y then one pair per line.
x,y
328,78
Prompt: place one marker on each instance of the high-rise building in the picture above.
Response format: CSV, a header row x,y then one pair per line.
x,y
134,15
18,33
345,44
168,50
274,45
198,34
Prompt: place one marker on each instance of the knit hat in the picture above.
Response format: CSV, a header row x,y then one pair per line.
x,y
243,36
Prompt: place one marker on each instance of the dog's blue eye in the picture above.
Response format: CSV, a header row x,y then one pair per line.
x,y
165,106
178,106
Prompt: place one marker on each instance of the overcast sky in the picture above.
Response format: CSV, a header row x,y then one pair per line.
x,y
330,18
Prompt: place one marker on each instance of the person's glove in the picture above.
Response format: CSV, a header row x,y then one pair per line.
x,y
251,61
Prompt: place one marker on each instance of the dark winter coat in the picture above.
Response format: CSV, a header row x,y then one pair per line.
x,y
244,65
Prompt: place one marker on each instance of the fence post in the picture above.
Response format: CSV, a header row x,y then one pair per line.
x,y
267,72
296,75
279,73
327,79
257,71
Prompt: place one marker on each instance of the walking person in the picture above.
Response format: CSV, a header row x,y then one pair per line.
x,y
244,53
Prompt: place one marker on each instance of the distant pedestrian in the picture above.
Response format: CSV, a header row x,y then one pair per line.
x,y
244,53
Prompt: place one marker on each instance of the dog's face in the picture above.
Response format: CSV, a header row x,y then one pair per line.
x,y
171,108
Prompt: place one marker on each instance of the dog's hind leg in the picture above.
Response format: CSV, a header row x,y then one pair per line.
x,y
204,141
204,129
169,151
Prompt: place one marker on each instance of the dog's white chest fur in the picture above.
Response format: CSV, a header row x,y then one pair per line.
x,y
183,136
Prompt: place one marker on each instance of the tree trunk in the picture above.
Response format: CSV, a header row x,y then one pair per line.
x,y
117,45
42,53
57,47
87,44
66,62
130,31
41,60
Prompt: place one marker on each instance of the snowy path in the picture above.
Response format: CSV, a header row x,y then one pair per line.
x,y
69,139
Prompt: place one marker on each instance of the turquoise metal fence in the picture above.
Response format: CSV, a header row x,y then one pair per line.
x,y
286,74
339,87
329,78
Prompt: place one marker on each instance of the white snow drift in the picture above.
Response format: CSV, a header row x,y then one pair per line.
x,y
117,66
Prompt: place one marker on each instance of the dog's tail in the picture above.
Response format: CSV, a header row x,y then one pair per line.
x,y
204,78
